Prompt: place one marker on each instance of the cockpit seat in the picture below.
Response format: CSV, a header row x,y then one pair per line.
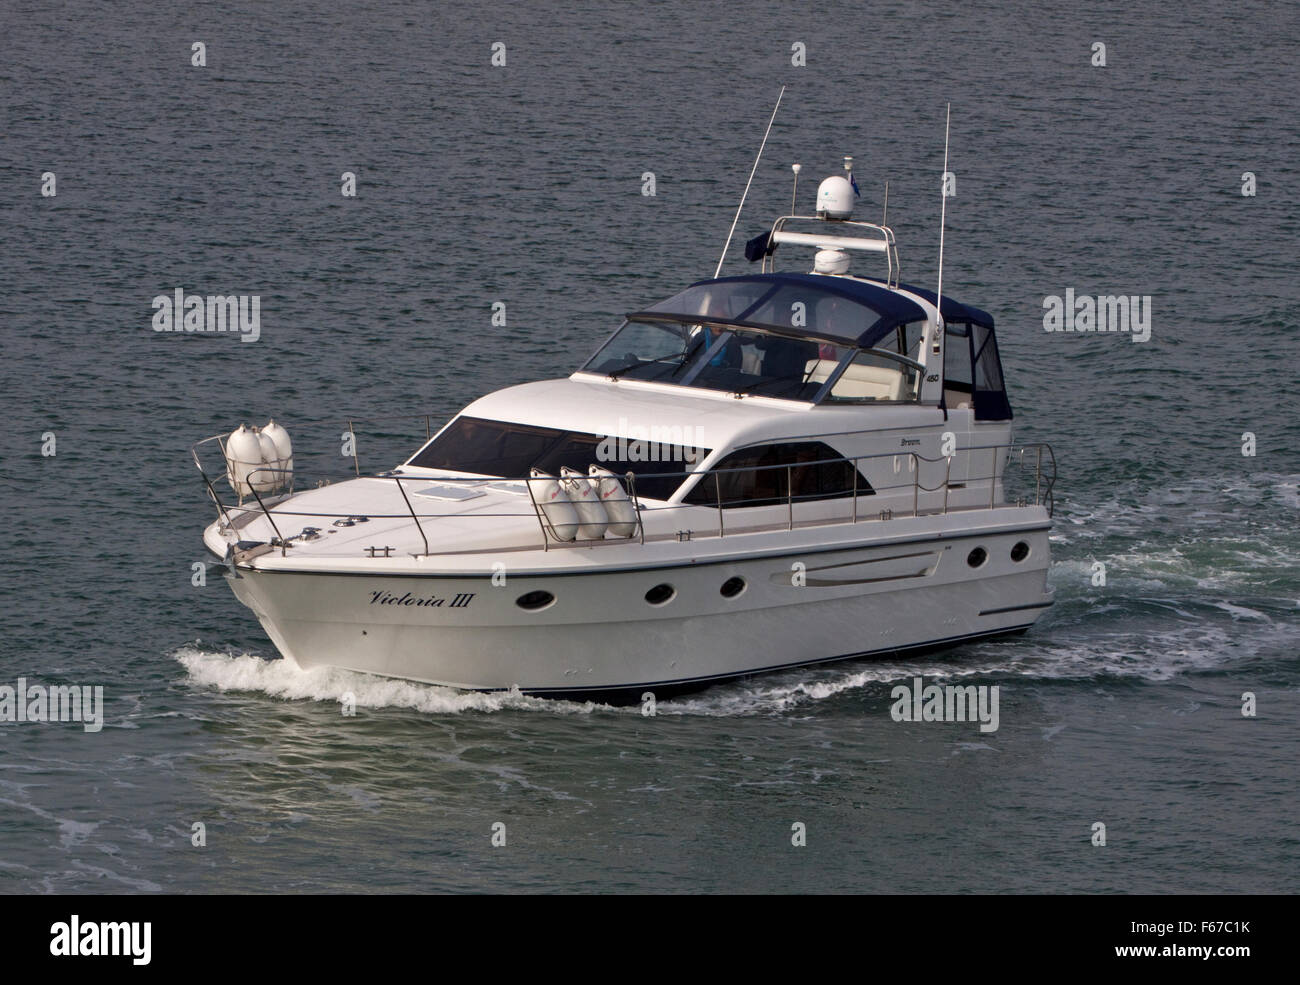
x,y
860,381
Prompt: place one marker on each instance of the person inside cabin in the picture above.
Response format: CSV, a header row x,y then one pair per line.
x,y
729,355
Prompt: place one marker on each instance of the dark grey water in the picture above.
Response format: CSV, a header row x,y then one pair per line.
x,y
523,184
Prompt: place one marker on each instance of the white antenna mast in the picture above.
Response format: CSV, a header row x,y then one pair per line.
x,y
943,213
727,244
794,192
884,215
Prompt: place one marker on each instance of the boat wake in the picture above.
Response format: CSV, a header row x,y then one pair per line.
x,y
771,694
284,679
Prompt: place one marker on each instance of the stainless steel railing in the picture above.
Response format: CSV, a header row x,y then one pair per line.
x,y
1040,455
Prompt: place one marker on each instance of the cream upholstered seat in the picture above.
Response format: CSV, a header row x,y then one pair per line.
x,y
860,381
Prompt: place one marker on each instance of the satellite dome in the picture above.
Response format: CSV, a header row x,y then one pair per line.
x,y
835,198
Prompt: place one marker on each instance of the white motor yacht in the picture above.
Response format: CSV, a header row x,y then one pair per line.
x,y
761,472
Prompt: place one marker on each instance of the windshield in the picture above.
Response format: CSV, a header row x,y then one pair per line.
x,y
767,365
717,357
738,360
648,350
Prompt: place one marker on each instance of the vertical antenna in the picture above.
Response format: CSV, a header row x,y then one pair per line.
x,y
884,215
794,194
943,212
727,244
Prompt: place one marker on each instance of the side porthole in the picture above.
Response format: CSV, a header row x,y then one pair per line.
x,y
977,557
1020,551
535,601
661,595
732,587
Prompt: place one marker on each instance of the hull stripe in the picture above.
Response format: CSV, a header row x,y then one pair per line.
x,y
1017,608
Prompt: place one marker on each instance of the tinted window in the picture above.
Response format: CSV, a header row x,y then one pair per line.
x,y
988,368
990,397
814,474
509,450
472,444
956,358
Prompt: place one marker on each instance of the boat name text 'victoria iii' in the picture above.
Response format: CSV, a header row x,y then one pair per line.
x,y
460,601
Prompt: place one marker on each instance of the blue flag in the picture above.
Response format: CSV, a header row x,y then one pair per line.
x,y
854,182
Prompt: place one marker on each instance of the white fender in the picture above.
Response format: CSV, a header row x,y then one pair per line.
x,y
265,482
621,512
582,492
554,501
243,454
283,450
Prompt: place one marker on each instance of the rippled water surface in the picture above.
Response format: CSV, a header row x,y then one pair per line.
x,y
523,183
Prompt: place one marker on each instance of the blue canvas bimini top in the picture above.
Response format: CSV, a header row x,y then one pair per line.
x,y
952,311
805,306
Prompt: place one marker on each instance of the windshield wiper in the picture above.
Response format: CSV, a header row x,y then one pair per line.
x,y
688,357
684,357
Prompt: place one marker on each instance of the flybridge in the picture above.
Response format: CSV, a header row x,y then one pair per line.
x,y
816,337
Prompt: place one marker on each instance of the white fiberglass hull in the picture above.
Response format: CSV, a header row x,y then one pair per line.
x,y
602,635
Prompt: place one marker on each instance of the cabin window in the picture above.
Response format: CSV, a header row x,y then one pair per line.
x,y
758,477
508,450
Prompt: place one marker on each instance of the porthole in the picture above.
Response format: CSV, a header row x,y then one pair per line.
x,y
732,587
1020,551
660,595
977,557
535,601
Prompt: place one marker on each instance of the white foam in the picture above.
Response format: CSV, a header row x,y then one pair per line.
x,y
140,885
781,692
1241,612
285,680
73,833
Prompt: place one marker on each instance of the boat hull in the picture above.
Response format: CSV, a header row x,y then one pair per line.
x,y
601,637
